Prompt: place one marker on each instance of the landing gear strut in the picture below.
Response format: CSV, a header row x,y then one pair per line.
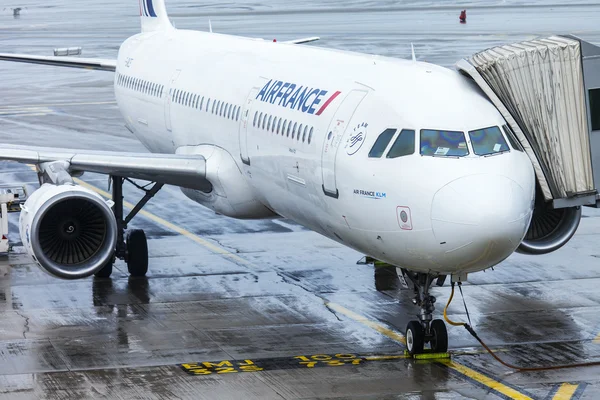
x,y
426,329
131,247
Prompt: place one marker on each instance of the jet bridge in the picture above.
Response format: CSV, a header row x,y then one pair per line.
x,y
545,89
548,91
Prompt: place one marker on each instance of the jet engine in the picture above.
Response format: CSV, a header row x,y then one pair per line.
x,y
68,230
550,228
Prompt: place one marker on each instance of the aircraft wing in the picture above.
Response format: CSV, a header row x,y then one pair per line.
x,y
72,62
180,170
303,40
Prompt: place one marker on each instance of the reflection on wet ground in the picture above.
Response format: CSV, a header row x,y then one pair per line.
x,y
288,314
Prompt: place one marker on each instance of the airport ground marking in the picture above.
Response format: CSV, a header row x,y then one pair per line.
x,y
27,106
596,340
567,391
396,336
485,381
283,363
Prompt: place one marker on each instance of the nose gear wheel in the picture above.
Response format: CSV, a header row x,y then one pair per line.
x,y
425,329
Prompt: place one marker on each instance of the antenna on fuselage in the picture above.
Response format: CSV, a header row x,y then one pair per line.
x,y
209,26
412,49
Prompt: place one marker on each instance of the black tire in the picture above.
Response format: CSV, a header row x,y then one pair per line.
x,y
415,338
439,336
106,271
137,252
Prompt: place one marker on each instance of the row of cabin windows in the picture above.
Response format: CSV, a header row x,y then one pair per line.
x,y
217,107
282,126
140,85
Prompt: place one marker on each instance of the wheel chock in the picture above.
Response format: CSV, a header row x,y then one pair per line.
x,y
427,355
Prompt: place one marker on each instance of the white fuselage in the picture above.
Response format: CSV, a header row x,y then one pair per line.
x,y
229,99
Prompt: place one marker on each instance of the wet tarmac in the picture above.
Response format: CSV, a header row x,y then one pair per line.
x,y
265,309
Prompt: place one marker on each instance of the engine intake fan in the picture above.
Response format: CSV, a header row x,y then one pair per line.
x,y
550,228
69,231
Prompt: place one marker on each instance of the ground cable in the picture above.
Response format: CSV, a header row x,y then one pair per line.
x,y
506,364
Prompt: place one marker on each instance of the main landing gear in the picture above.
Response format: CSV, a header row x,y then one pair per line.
x,y
132,246
425,330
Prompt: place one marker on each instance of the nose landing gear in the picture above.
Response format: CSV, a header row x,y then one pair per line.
x,y
426,329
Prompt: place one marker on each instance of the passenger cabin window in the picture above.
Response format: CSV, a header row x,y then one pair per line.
x,y
381,143
512,138
404,144
443,143
488,141
310,135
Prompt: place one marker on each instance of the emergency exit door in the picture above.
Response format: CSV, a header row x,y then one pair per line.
x,y
333,138
244,126
169,99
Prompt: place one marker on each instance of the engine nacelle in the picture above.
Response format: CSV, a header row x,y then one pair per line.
x,y
550,228
68,230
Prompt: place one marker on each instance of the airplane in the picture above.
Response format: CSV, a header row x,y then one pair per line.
x,y
404,161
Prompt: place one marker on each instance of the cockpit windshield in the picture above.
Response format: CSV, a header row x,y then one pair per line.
x,y
488,141
443,143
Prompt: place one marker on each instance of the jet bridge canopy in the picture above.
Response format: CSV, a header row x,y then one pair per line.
x,y
539,88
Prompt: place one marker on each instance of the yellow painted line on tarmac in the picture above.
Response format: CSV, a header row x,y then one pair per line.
x,y
565,391
596,339
212,247
365,321
485,380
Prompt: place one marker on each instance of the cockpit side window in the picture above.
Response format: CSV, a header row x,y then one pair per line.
x,y
381,143
443,143
404,144
512,138
488,141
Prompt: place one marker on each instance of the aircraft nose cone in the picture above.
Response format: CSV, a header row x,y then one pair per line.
x,y
479,220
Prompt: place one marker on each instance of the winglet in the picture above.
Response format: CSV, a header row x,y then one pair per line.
x,y
153,14
412,48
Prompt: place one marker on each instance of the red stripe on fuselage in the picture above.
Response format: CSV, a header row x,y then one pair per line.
x,y
332,98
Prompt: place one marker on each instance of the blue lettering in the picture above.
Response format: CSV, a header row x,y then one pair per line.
x,y
280,92
264,90
289,90
300,100
305,107
274,90
289,95
317,101
293,98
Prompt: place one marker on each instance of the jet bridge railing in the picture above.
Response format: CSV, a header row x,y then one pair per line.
x,y
538,86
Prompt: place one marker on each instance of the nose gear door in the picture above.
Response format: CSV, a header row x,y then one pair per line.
x,y
333,137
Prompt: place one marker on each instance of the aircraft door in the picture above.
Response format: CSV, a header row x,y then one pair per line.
x,y
168,99
333,137
244,125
